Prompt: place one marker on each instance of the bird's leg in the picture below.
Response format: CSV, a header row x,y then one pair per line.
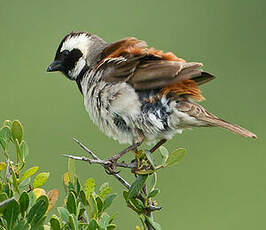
x,y
117,156
155,147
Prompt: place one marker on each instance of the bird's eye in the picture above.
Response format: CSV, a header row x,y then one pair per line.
x,y
65,53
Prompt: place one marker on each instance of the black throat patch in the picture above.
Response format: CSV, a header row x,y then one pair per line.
x,y
81,76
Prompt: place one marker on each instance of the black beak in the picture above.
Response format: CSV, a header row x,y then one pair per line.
x,y
55,66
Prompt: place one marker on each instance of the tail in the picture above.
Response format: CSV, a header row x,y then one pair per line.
x,y
214,121
198,112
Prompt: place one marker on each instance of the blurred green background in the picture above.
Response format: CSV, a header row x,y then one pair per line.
x,y
221,184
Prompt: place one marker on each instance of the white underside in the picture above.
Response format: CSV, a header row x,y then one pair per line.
x,y
102,100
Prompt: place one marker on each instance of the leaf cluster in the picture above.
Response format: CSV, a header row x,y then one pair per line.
x,y
24,203
140,196
85,208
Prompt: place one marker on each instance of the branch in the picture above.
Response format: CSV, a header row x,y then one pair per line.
x,y
101,162
86,149
107,164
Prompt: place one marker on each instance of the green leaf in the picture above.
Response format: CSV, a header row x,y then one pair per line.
x,y
28,173
8,190
104,190
19,156
25,182
22,225
2,166
3,143
137,186
40,179
164,153
71,203
5,133
137,204
71,170
73,222
81,211
24,202
17,131
55,223
89,187
155,225
112,218
93,225
24,149
153,181
99,204
63,213
153,193
40,225
175,157
83,198
7,123
38,210
95,206
3,197
70,186
78,209
104,221
14,180
78,186
150,159
108,201
111,226
125,195
11,213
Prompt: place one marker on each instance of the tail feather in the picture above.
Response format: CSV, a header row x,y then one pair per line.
x,y
229,126
198,112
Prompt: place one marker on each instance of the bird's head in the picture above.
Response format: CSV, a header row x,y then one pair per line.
x,y
77,51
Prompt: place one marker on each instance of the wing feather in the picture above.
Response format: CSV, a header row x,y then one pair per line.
x,y
147,68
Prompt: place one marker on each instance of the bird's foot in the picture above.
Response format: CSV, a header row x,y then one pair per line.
x,y
110,169
117,156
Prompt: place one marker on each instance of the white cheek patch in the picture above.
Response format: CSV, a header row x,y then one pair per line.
x,y
78,67
80,42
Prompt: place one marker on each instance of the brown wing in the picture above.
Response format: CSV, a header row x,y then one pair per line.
x,y
146,68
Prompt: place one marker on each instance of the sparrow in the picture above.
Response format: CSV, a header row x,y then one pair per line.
x,y
135,93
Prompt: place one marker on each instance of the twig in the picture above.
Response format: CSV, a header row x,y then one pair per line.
x,y
91,161
86,149
101,162
122,180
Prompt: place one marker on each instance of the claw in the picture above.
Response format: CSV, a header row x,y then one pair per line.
x,y
110,169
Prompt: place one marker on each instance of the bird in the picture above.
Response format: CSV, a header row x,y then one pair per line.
x,y
135,93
